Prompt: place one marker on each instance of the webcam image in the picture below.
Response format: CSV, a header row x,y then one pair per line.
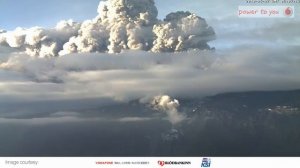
x,y
149,78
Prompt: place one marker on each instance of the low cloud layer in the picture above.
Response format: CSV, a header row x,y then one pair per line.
x,y
134,75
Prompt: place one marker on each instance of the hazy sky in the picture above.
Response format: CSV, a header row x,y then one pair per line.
x,y
28,13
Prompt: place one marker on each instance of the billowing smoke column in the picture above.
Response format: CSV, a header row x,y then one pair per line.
x,y
170,107
120,25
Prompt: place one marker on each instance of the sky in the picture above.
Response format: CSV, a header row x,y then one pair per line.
x,y
17,13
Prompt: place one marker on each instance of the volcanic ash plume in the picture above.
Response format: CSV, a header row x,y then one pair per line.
x,y
120,25
181,31
169,106
38,41
2,39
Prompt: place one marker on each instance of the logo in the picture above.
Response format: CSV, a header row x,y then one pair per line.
x,y
288,11
206,162
164,163
161,163
104,162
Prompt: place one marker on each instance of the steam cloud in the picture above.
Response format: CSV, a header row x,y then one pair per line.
x,y
120,25
170,107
